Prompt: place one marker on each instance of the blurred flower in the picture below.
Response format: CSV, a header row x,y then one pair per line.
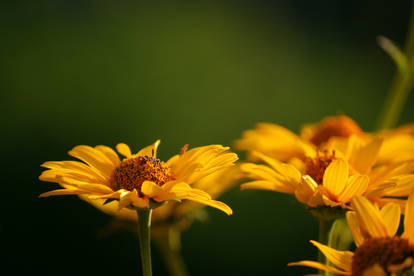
x,y
331,163
139,179
282,144
379,251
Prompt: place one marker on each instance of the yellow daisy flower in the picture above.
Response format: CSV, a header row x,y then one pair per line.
x,y
176,214
379,251
139,179
282,144
333,179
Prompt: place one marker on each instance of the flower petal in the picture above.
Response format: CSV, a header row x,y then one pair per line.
x,y
336,176
150,150
357,184
353,224
367,156
124,150
266,185
341,259
409,219
369,217
320,266
94,158
391,214
110,154
63,192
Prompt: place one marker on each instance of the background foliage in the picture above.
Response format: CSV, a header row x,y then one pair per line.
x,y
103,72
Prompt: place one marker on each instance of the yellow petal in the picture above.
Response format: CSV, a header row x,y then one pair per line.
x,y
357,185
266,185
63,192
353,224
391,214
75,166
92,187
341,259
150,150
287,170
375,270
367,156
320,266
213,203
93,158
109,153
336,176
124,150
369,217
404,184
153,190
409,219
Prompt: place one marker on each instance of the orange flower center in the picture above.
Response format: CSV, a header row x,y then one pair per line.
x,y
382,251
341,126
315,167
132,172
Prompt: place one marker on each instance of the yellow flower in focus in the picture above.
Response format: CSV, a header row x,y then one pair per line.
x,y
175,214
379,251
140,178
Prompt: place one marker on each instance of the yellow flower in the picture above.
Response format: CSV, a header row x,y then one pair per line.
x,y
332,162
140,178
325,181
282,144
176,214
379,251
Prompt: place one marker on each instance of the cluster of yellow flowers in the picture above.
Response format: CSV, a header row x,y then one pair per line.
x,y
335,166
332,167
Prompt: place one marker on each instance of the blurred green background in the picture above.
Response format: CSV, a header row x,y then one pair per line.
x,y
103,72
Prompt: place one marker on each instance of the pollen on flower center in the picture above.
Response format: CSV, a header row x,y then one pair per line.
x,y
132,172
315,167
381,251
341,126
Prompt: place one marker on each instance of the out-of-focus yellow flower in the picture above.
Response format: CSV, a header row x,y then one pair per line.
x,y
139,178
337,162
379,251
280,143
175,214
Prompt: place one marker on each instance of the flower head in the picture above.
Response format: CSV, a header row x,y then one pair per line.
x,y
175,214
379,250
330,163
139,179
282,144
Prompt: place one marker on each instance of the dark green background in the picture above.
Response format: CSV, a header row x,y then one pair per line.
x,y
103,72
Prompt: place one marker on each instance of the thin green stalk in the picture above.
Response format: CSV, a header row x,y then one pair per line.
x,y
144,225
403,81
169,244
324,227
339,238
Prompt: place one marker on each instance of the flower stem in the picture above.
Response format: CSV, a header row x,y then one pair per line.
x,y
324,227
403,81
144,225
339,238
169,244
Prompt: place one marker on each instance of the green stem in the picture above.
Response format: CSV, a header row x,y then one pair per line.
x,y
144,225
324,227
169,244
401,86
339,238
